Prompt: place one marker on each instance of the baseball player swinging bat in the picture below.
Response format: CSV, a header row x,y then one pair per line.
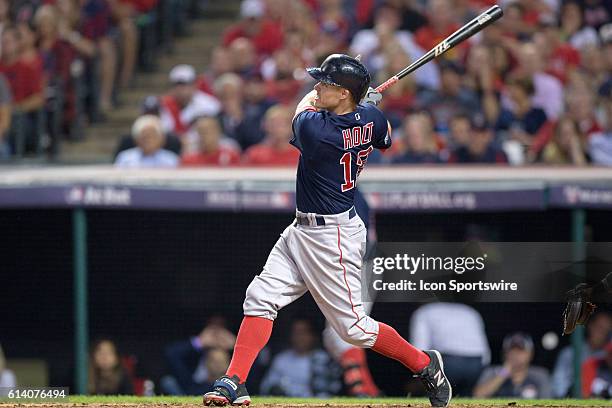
x,y
465,32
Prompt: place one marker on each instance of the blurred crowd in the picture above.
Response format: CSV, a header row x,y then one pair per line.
x,y
535,87
302,367
64,63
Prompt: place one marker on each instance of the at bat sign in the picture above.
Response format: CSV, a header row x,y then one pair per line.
x,y
440,48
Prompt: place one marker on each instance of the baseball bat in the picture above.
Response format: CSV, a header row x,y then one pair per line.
x,y
468,30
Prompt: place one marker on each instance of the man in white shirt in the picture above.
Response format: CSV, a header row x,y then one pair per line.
x,y
149,137
461,340
185,103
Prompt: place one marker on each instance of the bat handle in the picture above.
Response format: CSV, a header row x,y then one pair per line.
x,y
387,84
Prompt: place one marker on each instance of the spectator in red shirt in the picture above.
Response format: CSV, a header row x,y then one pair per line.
x,y
282,85
213,150
597,375
441,25
267,36
275,150
25,80
561,58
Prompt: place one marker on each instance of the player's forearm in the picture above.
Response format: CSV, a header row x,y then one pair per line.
x,y
307,102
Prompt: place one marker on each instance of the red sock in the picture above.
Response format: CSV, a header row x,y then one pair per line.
x,y
390,344
253,335
357,372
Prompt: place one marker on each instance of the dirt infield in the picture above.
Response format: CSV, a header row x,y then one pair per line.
x,y
265,405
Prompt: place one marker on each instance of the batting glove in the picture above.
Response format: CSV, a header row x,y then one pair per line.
x,y
372,96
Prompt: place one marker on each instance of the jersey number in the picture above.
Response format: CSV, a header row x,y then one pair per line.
x,y
346,160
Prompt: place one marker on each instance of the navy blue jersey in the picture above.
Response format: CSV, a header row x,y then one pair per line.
x,y
334,150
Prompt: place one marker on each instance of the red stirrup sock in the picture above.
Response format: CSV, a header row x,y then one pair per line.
x,y
390,344
253,335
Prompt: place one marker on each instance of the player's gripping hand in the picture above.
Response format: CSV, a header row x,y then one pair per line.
x,y
372,96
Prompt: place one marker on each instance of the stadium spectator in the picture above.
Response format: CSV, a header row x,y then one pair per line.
x,y
482,79
522,121
7,377
597,375
548,90
184,102
441,24
418,141
195,363
452,97
331,40
581,107
220,63
58,56
150,106
281,83
275,149
573,29
107,376
480,148
516,378
399,98
212,147
229,88
255,104
331,14
267,35
372,43
303,370
460,131
566,144
25,78
596,12
90,33
243,56
600,143
598,329
593,71
149,136
462,341
5,118
125,14
560,57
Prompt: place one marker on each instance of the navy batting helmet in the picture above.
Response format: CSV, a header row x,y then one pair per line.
x,y
345,71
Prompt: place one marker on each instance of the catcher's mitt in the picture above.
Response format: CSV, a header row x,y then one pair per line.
x,y
579,307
